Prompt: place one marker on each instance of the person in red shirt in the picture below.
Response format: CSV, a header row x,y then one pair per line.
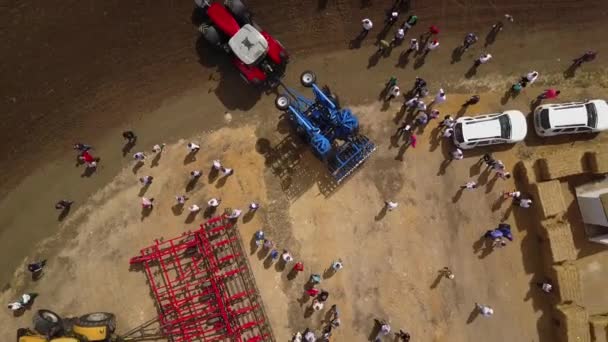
x,y
549,94
313,292
433,30
413,140
298,267
88,159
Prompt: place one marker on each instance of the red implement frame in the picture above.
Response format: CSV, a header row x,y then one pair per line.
x,y
204,287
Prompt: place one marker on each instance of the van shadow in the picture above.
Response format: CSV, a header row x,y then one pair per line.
x,y
226,79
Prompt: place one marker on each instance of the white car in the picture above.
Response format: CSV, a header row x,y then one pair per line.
x,y
571,118
491,129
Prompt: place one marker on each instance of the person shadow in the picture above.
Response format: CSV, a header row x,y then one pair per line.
x,y
191,216
509,94
213,173
88,171
535,103
221,182
571,71
403,148
457,195
373,59
191,184
404,58
356,42
253,246
145,212
491,37
190,157
209,211
64,213
420,61
328,273
382,213
138,165
280,265
473,315
437,281
177,209
444,166
457,54
292,274
268,261
436,138
248,216
472,70
128,147
156,160
143,190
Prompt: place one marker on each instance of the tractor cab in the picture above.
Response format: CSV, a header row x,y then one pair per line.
x,y
249,45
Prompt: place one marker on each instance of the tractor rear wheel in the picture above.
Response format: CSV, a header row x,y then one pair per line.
x,y
210,34
308,78
96,319
47,322
282,102
239,10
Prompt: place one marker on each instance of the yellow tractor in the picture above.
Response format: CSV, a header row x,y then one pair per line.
x,y
92,327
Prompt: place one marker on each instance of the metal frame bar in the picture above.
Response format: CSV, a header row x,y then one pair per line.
x,y
204,287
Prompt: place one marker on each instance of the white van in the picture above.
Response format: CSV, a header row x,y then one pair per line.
x,y
571,118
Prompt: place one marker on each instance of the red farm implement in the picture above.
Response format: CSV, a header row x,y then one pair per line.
x,y
203,286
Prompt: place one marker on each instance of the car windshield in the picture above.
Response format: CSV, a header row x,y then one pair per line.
x,y
591,115
544,119
505,126
458,132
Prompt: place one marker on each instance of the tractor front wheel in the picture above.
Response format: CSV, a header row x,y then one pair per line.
x,y
47,322
210,34
282,102
308,78
96,319
239,10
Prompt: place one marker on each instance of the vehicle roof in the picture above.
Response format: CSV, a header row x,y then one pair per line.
x,y
248,44
480,127
567,115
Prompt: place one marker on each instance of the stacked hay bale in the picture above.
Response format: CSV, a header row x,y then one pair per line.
x,y
569,163
573,323
598,161
559,244
568,283
599,328
550,198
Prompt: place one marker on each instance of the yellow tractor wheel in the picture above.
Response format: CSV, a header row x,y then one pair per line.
x,y
97,326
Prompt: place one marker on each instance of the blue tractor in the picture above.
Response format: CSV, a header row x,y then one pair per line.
x,y
331,131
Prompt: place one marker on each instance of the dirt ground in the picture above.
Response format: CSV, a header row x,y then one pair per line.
x,y
108,66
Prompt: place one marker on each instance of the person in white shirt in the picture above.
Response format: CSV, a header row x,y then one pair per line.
x,y
158,148
227,171
193,147
337,265
367,26
484,310
399,35
194,208
22,302
217,165
421,106
414,46
253,206
195,174
545,287
469,185
235,214
448,122
391,205
146,180
181,199
485,58
147,203
532,76
513,194
441,97
457,154
214,202
432,45
393,92
411,103
524,202
448,132
286,256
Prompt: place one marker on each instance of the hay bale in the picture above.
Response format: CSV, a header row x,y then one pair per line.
x,y
560,244
568,163
599,328
573,323
550,198
598,161
567,283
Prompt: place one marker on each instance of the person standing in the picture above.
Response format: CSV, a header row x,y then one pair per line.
x,y
139,156
440,97
181,199
446,272
548,94
82,147
63,204
448,122
194,208
413,140
432,46
393,92
337,265
217,165
412,103
158,148
469,40
390,205
503,174
298,267
367,26
531,76
403,336
195,174
433,31
523,202
410,22
484,310
129,136
147,203
227,171
193,147
546,287
234,214
392,17
146,180
383,46
414,46
286,256
36,267
214,202
392,81
457,154
253,206
399,36
448,132
470,185
483,59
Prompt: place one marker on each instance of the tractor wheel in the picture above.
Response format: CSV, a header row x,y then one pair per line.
x,y
210,34
239,10
308,78
96,319
282,102
47,322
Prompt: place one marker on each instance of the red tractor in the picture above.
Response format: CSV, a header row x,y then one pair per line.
x,y
260,58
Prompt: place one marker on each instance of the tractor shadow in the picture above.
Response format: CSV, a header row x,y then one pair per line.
x,y
297,169
225,80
